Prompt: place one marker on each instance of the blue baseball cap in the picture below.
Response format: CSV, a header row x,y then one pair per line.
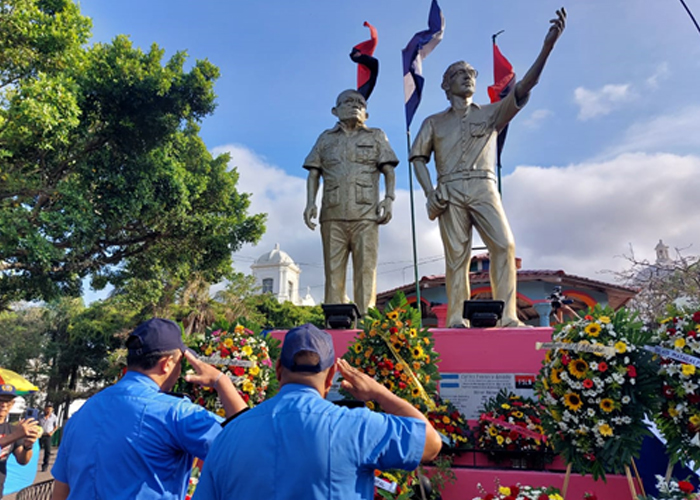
x,y
8,390
155,335
310,339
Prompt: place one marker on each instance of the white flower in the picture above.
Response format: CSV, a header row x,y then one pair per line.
x,y
625,400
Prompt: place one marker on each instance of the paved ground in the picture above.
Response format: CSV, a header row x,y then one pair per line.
x,y
40,476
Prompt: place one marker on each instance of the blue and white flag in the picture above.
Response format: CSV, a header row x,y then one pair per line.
x,y
416,50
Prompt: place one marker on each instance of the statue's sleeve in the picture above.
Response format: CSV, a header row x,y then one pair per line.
x,y
313,159
423,143
507,108
386,153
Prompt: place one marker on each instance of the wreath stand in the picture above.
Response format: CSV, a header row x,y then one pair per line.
x,y
630,481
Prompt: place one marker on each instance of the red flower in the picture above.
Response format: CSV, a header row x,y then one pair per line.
x,y
514,490
389,364
685,486
588,317
489,497
692,333
631,371
602,367
225,352
588,383
393,329
668,391
245,397
238,371
694,398
543,496
402,385
565,359
696,316
589,496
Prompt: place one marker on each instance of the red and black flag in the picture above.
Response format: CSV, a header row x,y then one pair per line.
x,y
367,66
504,83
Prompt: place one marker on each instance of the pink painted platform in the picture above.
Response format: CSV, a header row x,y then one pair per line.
x,y
497,350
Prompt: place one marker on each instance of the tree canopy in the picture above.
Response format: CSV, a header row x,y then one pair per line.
x,y
102,170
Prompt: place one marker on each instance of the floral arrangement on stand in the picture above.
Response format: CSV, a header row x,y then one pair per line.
x,y
677,343
673,490
520,492
596,384
509,424
396,351
241,354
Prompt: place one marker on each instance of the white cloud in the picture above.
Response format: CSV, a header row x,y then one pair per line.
x,y
594,103
577,218
536,118
661,73
677,129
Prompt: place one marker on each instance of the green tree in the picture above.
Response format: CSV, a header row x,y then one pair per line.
x,y
22,338
285,315
102,168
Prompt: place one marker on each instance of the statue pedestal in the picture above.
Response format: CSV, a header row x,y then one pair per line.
x,y
474,364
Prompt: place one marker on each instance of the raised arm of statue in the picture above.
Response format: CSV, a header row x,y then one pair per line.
x,y
312,184
524,86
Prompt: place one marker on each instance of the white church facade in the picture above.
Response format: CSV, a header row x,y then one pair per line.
x,y
276,272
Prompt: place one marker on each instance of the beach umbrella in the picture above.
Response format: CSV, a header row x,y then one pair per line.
x,y
21,384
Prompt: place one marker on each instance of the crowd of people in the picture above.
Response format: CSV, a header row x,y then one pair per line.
x,y
138,440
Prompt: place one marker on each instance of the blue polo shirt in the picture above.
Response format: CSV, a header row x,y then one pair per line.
x,y
131,441
298,446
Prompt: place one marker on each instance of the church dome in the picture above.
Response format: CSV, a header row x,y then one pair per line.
x,y
274,257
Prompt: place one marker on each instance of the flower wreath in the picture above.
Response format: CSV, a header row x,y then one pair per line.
x,y
678,345
520,492
394,350
673,490
240,354
511,423
596,392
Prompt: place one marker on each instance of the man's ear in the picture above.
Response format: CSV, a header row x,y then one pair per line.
x,y
278,370
334,111
329,378
166,364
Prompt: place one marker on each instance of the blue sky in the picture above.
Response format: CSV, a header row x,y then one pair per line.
x,y
605,155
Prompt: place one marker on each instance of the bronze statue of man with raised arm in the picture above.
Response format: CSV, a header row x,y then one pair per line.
x,y
463,142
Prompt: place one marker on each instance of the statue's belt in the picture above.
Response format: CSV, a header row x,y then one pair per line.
x,y
463,175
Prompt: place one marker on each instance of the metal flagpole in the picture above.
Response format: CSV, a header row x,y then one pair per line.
x,y
413,226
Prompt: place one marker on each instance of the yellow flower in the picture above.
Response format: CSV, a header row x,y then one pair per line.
x,y
499,440
492,431
504,490
393,315
247,350
426,340
621,347
239,329
593,329
578,368
417,352
505,406
688,370
573,401
555,415
604,319
208,351
412,333
228,343
695,420
672,411
415,392
220,412
605,430
679,343
358,348
518,414
389,385
254,370
397,345
427,360
555,496
370,405
375,323
445,419
554,376
248,387
607,405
